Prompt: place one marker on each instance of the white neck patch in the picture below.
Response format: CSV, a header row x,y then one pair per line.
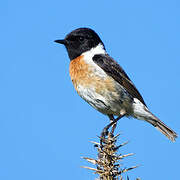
x,y
88,58
99,49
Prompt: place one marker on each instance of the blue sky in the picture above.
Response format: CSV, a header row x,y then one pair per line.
x,y
45,128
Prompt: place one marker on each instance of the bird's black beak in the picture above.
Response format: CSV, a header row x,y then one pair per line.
x,y
62,41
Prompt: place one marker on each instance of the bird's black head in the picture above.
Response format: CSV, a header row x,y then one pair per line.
x,y
80,41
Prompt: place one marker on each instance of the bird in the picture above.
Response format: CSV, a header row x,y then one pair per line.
x,y
103,83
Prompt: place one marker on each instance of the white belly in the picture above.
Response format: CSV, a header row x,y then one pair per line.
x,y
106,100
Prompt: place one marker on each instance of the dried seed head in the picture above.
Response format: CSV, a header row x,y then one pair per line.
x,y
107,163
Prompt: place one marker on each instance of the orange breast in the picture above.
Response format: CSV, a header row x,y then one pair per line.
x,y
82,74
79,72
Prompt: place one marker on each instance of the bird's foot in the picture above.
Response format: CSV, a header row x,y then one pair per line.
x,y
105,133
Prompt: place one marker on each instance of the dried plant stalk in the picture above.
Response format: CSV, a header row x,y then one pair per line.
x,y
108,165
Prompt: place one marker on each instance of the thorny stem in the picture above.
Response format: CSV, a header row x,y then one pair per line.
x,y
108,165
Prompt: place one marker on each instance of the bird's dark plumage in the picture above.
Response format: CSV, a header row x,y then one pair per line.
x,y
113,69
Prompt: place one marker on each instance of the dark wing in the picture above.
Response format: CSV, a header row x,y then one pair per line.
x,y
113,69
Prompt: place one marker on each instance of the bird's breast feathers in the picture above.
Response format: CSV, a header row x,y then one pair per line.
x,y
95,86
89,75
84,72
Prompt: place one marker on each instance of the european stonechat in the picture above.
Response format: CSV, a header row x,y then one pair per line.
x,y
102,82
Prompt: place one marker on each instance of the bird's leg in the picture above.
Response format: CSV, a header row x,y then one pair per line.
x,y
113,123
111,117
114,127
106,128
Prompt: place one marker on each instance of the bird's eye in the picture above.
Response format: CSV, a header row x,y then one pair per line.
x,y
81,38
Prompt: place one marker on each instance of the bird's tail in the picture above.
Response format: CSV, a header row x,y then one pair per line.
x,y
163,128
142,112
